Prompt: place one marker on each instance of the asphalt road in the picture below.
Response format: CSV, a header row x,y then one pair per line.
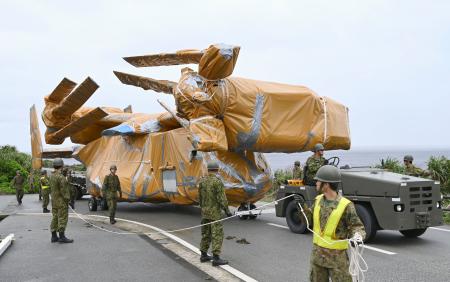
x,y
276,254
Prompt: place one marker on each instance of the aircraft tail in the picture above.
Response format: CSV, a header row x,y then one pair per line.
x,y
36,141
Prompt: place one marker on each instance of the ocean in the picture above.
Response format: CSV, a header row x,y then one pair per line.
x,y
357,157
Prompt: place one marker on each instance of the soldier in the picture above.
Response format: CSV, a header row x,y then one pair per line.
x,y
212,201
313,164
60,203
335,219
297,173
45,188
111,185
411,169
18,182
66,173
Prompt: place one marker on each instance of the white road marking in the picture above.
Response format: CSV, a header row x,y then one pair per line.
x,y
440,229
379,250
278,225
365,246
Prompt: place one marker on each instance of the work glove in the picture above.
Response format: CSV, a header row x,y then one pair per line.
x,y
357,238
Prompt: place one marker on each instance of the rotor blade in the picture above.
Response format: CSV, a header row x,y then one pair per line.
x,y
62,90
146,83
76,126
77,98
183,122
166,59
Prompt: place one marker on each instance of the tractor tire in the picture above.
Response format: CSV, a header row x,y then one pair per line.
x,y
294,220
413,233
368,219
79,194
92,204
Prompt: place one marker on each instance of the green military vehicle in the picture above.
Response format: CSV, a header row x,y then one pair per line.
x,y
383,200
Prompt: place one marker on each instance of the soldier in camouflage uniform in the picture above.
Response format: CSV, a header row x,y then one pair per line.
x,y
335,219
313,163
212,199
411,169
17,183
45,191
60,203
297,172
111,185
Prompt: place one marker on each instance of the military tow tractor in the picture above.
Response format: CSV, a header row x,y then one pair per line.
x,y
383,200
78,180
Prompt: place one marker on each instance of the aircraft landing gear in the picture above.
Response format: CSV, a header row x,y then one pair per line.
x,y
247,211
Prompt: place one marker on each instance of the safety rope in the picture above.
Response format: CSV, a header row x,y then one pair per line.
x,y
358,266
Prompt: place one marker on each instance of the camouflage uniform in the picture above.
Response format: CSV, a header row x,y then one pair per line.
x,y
45,188
412,170
212,201
111,185
329,263
311,167
297,173
60,201
18,182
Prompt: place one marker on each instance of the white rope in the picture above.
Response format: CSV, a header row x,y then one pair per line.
x,y
358,265
175,230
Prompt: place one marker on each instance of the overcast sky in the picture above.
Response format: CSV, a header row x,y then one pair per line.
x,y
388,61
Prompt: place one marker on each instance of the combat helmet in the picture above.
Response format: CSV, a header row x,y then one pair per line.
x,y
328,174
297,163
408,158
58,162
113,167
318,147
213,165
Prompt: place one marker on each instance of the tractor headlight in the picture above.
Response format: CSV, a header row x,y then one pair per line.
x,y
399,207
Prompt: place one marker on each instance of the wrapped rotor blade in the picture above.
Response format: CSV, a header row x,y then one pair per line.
x,y
36,141
76,126
77,98
183,122
146,83
166,59
62,90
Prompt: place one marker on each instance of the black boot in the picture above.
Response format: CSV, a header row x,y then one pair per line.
x,y
45,210
205,257
112,220
63,239
218,261
54,237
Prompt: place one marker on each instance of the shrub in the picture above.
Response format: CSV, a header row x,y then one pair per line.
x,y
439,168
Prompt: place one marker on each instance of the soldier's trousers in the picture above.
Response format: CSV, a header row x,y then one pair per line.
x,y
323,274
45,197
59,219
19,195
212,234
112,205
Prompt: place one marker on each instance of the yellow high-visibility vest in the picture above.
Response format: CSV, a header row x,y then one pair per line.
x,y
329,231
44,186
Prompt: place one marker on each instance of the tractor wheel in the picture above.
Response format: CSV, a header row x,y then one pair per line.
x,y
92,204
294,220
368,219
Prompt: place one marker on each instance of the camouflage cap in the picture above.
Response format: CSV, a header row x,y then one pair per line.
x,y
213,165
113,167
58,162
408,158
318,147
329,174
